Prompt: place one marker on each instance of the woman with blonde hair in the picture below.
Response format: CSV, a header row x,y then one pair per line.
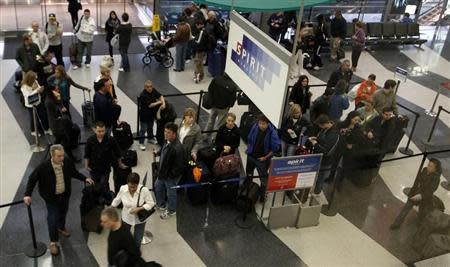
x,y
29,87
292,127
105,73
189,132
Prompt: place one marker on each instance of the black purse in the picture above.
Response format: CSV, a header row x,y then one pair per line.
x,y
143,214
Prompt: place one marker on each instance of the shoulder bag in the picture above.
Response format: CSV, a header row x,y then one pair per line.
x,y
143,214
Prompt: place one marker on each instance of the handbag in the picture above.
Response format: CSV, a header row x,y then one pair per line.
x,y
207,101
115,41
143,214
226,166
243,99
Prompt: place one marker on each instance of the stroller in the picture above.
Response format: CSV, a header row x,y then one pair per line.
x,y
159,50
310,48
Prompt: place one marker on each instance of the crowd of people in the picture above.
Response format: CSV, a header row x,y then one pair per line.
x,y
310,126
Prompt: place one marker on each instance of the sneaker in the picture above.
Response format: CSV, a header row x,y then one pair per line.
x,y
316,68
88,65
75,67
187,61
142,147
154,141
163,208
121,69
167,214
49,132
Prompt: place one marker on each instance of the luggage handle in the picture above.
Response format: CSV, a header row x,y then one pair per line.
x,y
84,95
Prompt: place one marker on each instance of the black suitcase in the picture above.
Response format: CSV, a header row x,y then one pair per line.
x,y
208,155
90,222
91,208
401,123
123,135
223,192
130,158
17,80
88,111
247,121
199,195
248,194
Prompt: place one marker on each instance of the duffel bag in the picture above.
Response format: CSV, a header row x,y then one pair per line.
x,y
226,166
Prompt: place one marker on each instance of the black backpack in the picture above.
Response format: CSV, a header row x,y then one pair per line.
x,y
123,135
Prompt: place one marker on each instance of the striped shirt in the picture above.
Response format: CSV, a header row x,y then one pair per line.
x,y
60,186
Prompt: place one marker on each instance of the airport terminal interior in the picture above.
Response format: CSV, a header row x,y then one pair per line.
x,y
349,223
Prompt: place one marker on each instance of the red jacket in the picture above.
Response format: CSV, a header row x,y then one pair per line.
x,y
364,92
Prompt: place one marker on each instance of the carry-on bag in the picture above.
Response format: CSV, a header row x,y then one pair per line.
x,y
216,61
88,110
198,195
130,158
227,166
123,135
247,121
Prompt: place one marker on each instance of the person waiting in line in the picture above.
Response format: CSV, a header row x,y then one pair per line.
x,y
292,128
27,54
364,90
84,31
201,13
228,136
222,95
367,112
421,194
342,73
263,143
45,69
201,48
385,97
406,19
165,114
181,40
129,195
124,31
171,167
121,247
321,106
30,86
104,108
338,31
100,153
54,31
39,37
213,27
326,142
61,81
150,100
53,177
189,133
358,43
73,8
276,23
105,73
111,26
321,32
190,20
339,101
380,127
300,94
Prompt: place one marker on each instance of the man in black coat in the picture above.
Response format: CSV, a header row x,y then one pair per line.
x,y
54,178
27,54
321,105
338,31
150,100
343,73
171,166
380,128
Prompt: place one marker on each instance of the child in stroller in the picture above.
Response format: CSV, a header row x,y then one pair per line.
x,y
310,49
159,49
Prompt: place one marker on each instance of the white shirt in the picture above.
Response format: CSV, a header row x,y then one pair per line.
x,y
27,91
86,30
41,39
130,202
184,130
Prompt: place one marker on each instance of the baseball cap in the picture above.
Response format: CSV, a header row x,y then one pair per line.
x,y
52,16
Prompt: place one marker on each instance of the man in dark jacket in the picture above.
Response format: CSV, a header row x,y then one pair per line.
x,y
171,167
150,101
27,54
421,193
200,48
222,95
54,178
380,128
321,105
325,142
101,153
263,142
344,72
338,31
124,31
103,104
277,23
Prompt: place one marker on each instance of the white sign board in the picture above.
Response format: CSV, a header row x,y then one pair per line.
x,y
260,72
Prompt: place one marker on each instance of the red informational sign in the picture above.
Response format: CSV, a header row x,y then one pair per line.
x,y
279,183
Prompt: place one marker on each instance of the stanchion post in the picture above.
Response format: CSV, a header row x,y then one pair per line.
x,y
406,150
434,124
397,86
37,146
36,249
199,108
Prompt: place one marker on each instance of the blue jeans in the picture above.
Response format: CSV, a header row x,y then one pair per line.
x,y
125,62
189,49
262,167
324,172
161,186
80,51
288,149
56,215
139,229
180,56
146,127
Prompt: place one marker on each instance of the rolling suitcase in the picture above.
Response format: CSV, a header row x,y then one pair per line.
x,y
216,61
88,111
91,209
247,121
401,123
199,195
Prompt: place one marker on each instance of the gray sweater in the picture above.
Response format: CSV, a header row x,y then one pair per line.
x,y
382,100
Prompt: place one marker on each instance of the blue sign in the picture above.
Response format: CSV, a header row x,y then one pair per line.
x,y
254,62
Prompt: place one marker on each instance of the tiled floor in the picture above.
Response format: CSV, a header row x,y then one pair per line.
x,y
357,235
